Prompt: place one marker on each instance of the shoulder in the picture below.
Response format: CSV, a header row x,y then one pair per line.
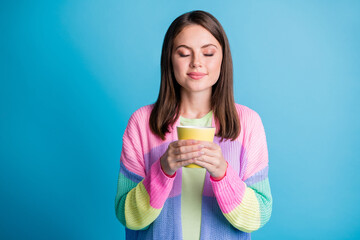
x,y
245,112
248,117
142,112
140,118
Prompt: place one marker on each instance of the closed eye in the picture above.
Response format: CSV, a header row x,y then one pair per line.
x,y
209,55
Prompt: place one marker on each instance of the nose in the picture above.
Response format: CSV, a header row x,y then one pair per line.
x,y
195,61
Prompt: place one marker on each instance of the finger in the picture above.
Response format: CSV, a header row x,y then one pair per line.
x,y
186,162
209,145
208,152
213,169
174,144
207,159
202,163
208,163
180,143
188,149
187,156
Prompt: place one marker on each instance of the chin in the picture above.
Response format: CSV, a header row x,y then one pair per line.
x,y
198,89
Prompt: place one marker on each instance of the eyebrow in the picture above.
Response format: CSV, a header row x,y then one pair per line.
x,y
205,46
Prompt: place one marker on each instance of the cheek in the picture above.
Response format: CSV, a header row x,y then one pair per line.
x,y
215,65
178,67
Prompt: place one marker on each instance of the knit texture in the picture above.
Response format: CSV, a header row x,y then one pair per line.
x,y
148,202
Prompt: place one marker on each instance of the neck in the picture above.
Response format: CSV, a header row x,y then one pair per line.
x,y
195,105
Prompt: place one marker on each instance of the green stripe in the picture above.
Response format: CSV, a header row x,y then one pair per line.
x,y
263,195
123,187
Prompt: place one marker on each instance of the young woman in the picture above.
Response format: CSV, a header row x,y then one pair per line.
x,y
159,198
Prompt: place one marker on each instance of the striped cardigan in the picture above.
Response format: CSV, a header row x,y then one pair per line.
x,y
148,203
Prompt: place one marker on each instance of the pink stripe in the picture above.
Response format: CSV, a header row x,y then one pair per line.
x,y
229,191
256,147
138,140
148,139
158,185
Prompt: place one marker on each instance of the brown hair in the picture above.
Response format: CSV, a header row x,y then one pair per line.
x,y
166,108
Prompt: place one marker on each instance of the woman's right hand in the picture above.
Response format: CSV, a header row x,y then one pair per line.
x,y
180,153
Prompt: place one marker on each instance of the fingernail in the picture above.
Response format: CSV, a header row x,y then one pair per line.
x,y
201,146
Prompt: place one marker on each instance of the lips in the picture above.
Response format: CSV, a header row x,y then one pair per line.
x,y
196,75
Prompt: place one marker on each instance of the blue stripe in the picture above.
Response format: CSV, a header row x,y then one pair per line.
x,y
166,226
215,226
257,177
130,175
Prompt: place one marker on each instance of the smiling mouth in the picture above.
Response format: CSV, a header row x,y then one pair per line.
x,y
196,75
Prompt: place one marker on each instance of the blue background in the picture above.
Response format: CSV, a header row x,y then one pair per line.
x,y
72,72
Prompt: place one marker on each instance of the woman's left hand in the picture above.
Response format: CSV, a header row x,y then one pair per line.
x,y
212,159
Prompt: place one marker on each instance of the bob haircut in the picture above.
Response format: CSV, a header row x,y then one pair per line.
x,y
166,108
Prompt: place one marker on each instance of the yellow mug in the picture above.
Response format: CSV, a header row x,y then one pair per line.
x,y
196,133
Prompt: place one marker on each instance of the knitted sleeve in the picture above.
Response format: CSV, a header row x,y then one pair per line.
x,y
140,196
247,203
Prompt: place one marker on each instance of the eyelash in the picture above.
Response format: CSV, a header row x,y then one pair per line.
x,y
206,55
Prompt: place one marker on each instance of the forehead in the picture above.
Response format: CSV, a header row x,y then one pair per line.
x,y
195,36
